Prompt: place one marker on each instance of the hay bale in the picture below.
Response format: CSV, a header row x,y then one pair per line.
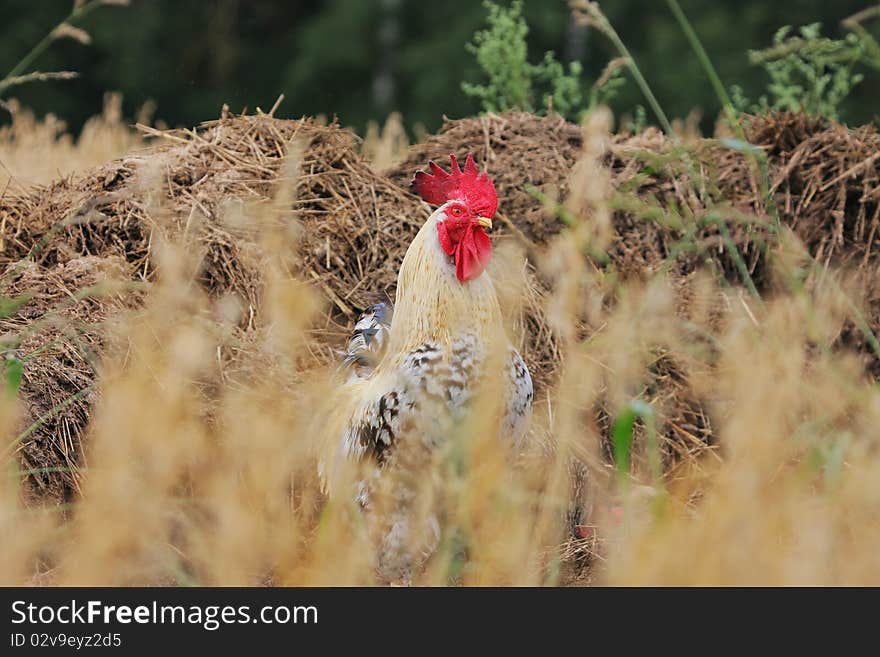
x,y
189,175
519,150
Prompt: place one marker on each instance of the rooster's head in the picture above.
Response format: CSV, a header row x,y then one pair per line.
x,y
468,202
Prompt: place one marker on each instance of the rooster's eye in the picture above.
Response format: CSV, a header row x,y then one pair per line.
x,y
457,211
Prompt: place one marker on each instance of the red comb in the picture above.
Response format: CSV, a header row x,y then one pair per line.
x,y
475,189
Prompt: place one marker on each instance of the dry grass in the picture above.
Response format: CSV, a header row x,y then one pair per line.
x,y
36,152
222,267
387,146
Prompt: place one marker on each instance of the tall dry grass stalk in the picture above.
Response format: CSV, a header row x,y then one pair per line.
x,y
201,473
387,146
39,151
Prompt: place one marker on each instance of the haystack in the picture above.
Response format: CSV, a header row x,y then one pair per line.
x,y
355,225
355,228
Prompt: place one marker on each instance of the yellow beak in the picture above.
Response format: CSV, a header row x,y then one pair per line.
x,y
485,222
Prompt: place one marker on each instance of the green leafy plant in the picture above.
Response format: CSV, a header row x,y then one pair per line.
x,y
871,48
512,82
808,72
502,54
639,120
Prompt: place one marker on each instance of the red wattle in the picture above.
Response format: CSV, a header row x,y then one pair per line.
x,y
472,253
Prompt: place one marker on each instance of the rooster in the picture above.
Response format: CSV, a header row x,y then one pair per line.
x,y
414,370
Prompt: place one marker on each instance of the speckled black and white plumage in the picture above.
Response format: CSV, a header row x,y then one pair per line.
x,y
432,390
519,401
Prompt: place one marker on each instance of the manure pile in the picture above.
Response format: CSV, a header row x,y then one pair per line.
x,y
356,225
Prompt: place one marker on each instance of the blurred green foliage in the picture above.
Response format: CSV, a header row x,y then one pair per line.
x,y
361,59
510,81
502,53
807,72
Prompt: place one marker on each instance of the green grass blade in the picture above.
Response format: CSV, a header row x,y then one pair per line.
x,y
623,429
604,25
14,374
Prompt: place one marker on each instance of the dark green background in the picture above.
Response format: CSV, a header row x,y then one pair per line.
x,y
326,57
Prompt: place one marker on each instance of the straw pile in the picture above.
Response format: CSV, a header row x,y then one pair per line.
x,y
355,225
